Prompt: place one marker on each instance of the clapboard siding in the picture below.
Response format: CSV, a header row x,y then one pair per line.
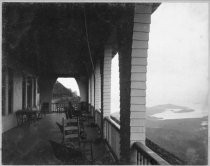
x,y
138,85
139,61
141,69
107,81
138,100
98,85
137,122
140,36
141,27
137,92
142,19
138,77
107,85
142,9
137,129
93,90
139,44
138,107
89,90
137,114
139,53
138,136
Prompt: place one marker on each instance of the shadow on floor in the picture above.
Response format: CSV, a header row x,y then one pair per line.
x,y
29,145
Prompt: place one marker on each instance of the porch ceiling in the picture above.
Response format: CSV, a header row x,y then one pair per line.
x,y
51,38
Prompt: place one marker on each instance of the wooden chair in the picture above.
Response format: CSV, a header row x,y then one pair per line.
x,y
71,131
72,134
85,113
21,117
68,155
72,137
60,127
70,114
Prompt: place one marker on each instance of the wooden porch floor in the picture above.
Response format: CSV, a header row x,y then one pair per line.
x,y
29,145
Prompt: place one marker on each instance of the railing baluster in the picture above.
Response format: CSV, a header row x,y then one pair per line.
x,y
144,160
137,158
59,107
146,156
141,159
143,153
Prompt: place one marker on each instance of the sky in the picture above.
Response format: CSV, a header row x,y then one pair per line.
x,y
177,71
115,87
69,83
178,55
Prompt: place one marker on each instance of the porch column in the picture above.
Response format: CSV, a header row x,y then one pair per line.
x,y
32,93
82,83
92,94
98,86
132,62
89,91
142,20
35,90
92,84
107,81
46,87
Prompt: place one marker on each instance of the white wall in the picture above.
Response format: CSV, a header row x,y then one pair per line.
x,y
9,120
17,92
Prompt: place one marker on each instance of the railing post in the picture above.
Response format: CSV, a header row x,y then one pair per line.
x,y
133,157
106,82
102,92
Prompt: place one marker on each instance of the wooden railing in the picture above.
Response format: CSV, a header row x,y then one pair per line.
x,y
141,154
145,156
166,155
112,136
98,118
59,107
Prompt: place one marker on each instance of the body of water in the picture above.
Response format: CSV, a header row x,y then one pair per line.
x,y
176,114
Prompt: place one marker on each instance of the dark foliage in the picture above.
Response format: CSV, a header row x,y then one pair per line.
x,y
60,91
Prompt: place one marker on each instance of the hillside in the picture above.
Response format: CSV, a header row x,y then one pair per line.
x,y
60,90
185,138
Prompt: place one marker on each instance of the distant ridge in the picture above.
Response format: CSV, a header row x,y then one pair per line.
x,y
59,90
